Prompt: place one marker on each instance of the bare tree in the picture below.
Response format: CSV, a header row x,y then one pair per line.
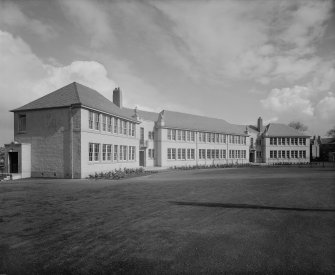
x,y
298,126
331,132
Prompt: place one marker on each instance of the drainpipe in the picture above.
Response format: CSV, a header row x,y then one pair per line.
x,y
71,140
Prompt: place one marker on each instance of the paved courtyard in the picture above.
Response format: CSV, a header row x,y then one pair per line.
x,y
267,220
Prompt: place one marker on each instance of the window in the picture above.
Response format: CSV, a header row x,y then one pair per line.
x,y
200,137
300,154
151,153
208,154
109,124
274,141
130,128
200,153
184,135
115,152
292,154
90,120
271,141
151,135
217,138
121,153
304,154
208,135
183,153
192,154
279,141
173,153
192,136
90,151
133,128
296,154
304,142
125,124
132,152
288,141
179,134
188,153
204,137
116,127
22,123
217,153
104,125
188,137
109,152
169,136
287,154
104,152
283,141
173,134
223,154
169,153
96,151
120,126
252,141
230,154
213,137
300,141
275,154
96,121
279,154
271,154
179,154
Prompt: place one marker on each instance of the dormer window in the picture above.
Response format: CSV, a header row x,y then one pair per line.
x,y
22,123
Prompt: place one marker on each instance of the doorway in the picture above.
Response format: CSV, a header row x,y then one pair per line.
x,y
13,162
252,156
142,158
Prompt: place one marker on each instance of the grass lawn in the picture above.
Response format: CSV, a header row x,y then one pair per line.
x,y
265,220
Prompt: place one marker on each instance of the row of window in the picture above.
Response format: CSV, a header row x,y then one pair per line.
x,y
110,152
181,153
183,135
287,154
287,141
111,124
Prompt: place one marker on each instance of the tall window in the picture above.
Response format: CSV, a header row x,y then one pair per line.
x,y
209,155
109,123
120,126
169,153
179,153
93,151
22,123
169,136
188,137
133,129
90,151
192,136
179,134
115,152
96,151
173,134
151,135
96,121
90,120
129,128
104,123
188,153
173,153
184,135
109,152
116,127
125,130
104,152
183,153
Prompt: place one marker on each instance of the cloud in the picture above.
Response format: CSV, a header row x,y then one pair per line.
x,y
11,15
26,77
325,109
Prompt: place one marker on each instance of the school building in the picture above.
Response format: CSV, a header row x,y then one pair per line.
x,y
75,131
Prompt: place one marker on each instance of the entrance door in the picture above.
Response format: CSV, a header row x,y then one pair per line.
x,y
13,162
142,158
252,156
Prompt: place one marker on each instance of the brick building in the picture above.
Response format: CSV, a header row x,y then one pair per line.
x,y
75,131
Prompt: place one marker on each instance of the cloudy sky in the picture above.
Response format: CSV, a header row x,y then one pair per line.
x,y
235,60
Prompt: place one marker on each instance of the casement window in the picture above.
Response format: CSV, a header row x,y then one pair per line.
x,y
223,154
209,154
217,153
109,124
295,141
271,154
104,125
275,154
133,129
96,121
125,124
192,153
203,137
116,153
213,137
179,134
274,141
151,153
304,142
192,136
230,154
90,151
130,128
200,137
188,135
151,135
292,154
283,141
279,154
184,135
132,152
173,153
233,154
239,140
169,134
121,126
271,141
22,123
109,152
183,153
90,119
169,153
279,141
217,138
121,153
179,154
96,151
287,154
304,154
288,141
104,152
125,152
116,125
296,154
200,154
188,153
300,154
173,134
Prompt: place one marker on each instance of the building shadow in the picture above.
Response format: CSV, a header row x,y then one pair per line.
x,y
249,206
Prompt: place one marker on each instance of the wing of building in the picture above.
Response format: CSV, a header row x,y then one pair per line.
x,y
75,132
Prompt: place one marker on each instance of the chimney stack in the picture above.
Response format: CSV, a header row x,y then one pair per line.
x,y
117,97
260,124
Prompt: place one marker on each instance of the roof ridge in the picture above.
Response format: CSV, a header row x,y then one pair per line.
x,y
203,116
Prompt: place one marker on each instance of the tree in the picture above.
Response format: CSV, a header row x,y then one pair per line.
x,y
298,126
331,132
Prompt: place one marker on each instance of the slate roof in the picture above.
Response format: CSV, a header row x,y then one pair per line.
x,y
145,115
282,130
200,123
76,94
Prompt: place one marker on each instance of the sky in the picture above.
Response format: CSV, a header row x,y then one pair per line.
x,y
235,60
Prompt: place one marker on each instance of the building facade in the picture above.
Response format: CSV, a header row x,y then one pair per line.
x,y
74,132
